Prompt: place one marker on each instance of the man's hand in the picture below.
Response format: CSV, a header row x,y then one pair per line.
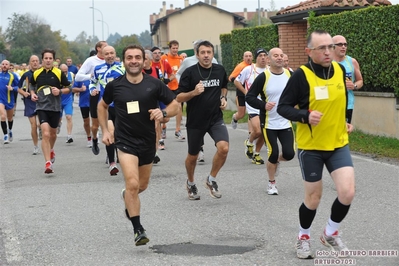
x,y
94,92
223,103
55,91
108,138
9,88
199,88
349,128
315,117
34,97
269,105
349,84
156,114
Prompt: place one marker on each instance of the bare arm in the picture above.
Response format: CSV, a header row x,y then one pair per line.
x,y
239,86
358,74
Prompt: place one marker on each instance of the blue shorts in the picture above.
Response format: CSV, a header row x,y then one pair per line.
x,y
8,105
312,162
67,108
30,107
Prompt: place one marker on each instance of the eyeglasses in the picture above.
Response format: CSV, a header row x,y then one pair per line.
x,y
324,47
341,44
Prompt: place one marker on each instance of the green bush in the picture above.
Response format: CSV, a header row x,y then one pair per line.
x,y
372,34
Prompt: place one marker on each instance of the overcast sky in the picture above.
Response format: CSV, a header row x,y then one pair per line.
x,y
123,16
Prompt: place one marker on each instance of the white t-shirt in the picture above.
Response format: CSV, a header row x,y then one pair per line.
x,y
87,69
247,77
274,88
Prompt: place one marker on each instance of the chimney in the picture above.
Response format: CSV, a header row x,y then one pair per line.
x,y
186,3
164,7
213,3
245,13
171,6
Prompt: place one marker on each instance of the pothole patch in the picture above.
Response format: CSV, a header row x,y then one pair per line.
x,y
190,249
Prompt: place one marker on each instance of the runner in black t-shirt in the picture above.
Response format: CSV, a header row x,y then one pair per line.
x,y
135,96
204,87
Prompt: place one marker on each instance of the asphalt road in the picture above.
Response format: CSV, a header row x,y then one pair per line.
x,y
76,217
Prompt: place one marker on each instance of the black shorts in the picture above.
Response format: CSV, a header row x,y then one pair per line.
x,y
240,100
144,154
312,162
50,117
111,114
85,111
195,137
93,105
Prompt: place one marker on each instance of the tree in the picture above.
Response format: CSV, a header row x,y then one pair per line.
x,y
113,38
125,41
273,6
255,22
145,39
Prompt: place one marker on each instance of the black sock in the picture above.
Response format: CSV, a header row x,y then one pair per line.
x,y
111,153
4,127
306,216
136,223
10,123
338,211
95,141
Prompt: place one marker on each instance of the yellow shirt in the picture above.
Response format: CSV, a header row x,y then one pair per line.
x,y
329,98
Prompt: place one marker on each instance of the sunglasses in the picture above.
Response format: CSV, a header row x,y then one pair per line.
x,y
341,44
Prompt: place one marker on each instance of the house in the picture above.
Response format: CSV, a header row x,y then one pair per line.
x,y
292,23
202,20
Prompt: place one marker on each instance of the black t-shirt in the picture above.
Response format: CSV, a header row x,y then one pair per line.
x,y
136,128
204,110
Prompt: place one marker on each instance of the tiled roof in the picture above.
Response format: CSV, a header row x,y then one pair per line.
x,y
312,4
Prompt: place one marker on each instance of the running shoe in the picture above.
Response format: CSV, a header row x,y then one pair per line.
x,y
303,248
179,136
36,150
140,237
5,139
257,159
201,157
192,192
10,135
48,168
213,189
163,133
249,149
69,140
52,156
156,159
335,243
113,169
233,122
94,148
272,189
161,145
88,144
40,133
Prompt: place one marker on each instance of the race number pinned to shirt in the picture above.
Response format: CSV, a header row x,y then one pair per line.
x,y
321,92
133,107
46,91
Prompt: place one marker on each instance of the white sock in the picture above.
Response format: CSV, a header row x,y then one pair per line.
x,y
190,183
303,232
211,178
331,227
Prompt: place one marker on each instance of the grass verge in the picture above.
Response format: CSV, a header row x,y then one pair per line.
x,y
376,146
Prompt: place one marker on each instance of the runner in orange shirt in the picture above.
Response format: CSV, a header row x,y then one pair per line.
x,y
174,60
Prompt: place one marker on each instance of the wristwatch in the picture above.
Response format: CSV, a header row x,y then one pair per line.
x,y
355,86
221,97
164,114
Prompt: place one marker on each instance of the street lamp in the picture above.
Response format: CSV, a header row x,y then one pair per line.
x,y
102,19
258,12
107,27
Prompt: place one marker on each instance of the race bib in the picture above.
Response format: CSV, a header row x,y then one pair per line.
x,y
321,92
132,107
